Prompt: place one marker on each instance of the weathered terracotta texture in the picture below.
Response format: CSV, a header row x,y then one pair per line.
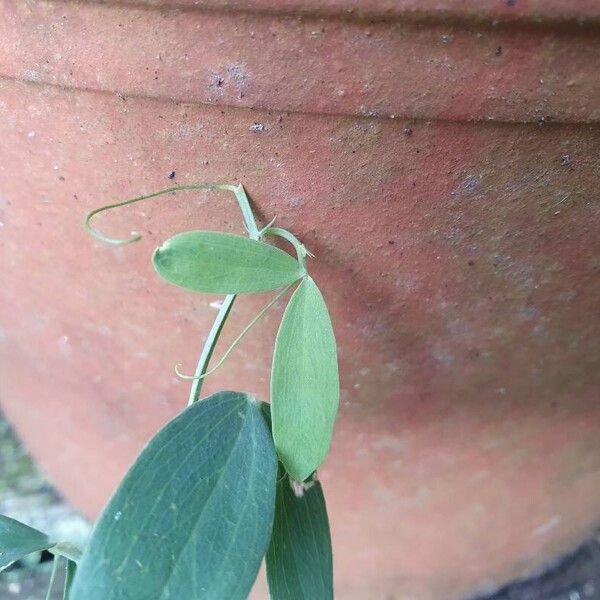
x,y
445,175
390,68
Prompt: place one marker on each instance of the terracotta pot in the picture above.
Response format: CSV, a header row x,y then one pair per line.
x,y
440,158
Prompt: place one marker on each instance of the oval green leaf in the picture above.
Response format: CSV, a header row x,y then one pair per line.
x,y
193,516
223,263
18,540
299,559
304,382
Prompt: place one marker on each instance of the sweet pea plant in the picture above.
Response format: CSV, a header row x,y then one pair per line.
x,y
231,480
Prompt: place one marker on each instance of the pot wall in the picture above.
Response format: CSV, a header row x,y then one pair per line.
x,y
449,192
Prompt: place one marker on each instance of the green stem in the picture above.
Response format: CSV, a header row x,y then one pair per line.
x,y
301,251
215,331
67,550
70,570
209,347
244,204
52,577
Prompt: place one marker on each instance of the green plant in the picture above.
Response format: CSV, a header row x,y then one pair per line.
x,y
231,479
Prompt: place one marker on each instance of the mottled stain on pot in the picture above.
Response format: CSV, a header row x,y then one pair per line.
x,y
456,245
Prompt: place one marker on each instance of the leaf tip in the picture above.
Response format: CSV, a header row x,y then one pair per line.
x,y
251,399
162,248
300,487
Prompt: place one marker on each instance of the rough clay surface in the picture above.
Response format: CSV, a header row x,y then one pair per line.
x,y
445,175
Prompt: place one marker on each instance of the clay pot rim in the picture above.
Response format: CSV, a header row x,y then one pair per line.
x,y
551,14
410,71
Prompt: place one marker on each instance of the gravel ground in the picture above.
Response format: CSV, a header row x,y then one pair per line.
x,y
27,496
574,577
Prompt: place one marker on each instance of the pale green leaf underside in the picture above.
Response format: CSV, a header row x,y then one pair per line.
x,y
223,263
304,382
18,540
299,559
193,516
